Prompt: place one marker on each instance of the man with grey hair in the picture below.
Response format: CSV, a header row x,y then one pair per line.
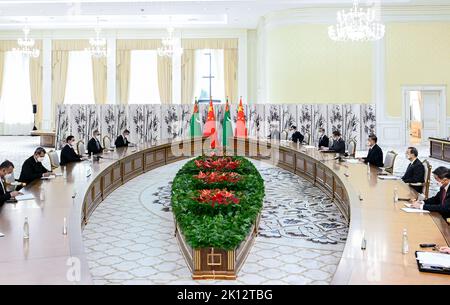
x,y
32,168
415,173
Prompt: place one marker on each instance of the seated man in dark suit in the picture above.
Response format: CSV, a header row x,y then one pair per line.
x,y
297,137
375,154
415,173
441,202
122,140
68,153
33,169
94,146
338,145
6,168
323,139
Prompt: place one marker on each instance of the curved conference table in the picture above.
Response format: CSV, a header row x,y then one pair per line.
x,y
49,257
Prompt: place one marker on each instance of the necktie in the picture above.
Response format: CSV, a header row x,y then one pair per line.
x,y
443,195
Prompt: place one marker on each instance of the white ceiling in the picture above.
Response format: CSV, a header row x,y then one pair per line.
x,y
55,14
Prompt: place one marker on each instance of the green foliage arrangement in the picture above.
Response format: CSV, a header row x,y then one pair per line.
x,y
225,221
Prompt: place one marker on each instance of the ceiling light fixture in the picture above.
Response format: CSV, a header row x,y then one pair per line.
x,y
26,45
97,44
357,24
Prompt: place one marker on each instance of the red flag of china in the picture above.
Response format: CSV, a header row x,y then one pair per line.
x,y
241,130
210,129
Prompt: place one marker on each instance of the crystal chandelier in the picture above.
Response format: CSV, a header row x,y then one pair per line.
x,y
26,45
97,45
170,45
356,25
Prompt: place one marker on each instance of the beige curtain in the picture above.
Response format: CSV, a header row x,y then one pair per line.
x,y
60,63
210,43
138,44
165,79
2,64
123,75
99,69
187,76
230,74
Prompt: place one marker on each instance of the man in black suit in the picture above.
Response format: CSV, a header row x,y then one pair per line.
x,y
68,153
296,136
338,145
32,168
122,140
415,173
94,146
441,202
323,139
375,154
6,168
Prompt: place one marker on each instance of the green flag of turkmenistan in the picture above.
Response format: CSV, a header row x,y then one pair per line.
x,y
196,128
226,125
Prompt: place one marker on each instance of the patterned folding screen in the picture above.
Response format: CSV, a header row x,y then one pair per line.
x,y
151,123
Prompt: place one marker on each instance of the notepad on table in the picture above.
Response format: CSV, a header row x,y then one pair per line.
x,y
382,177
352,161
412,210
433,259
49,177
24,197
308,146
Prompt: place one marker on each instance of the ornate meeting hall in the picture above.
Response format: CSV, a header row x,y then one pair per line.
x,y
224,142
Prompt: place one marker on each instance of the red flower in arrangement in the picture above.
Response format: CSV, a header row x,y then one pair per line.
x,y
217,164
217,197
215,177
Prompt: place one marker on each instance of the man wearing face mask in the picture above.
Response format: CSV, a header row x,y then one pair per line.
x,y
32,168
441,202
122,140
338,145
375,154
6,168
296,137
94,146
323,139
68,153
415,173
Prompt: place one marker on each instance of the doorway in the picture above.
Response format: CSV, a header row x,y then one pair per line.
x,y
425,113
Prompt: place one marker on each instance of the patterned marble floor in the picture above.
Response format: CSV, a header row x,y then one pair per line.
x,y
129,238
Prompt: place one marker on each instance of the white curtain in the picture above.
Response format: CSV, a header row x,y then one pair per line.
x,y
80,80
16,114
201,84
143,86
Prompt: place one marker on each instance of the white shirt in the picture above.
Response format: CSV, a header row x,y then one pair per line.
x,y
422,203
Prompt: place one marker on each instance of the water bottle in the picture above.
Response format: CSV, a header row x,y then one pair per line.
x,y
65,226
363,242
42,195
368,169
26,229
405,246
395,195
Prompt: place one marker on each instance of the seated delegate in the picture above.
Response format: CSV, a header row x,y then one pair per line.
x,y
122,140
32,168
94,146
375,154
6,168
68,153
338,145
415,173
296,137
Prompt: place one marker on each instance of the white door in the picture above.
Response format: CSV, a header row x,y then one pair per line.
x,y
431,115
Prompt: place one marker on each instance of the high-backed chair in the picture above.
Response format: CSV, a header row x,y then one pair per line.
x,y
54,159
81,149
106,142
389,161
352,148
427,177
284,135
307,139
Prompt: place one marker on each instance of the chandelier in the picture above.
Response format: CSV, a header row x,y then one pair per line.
x,y
97,45
170,45
26,45
356,24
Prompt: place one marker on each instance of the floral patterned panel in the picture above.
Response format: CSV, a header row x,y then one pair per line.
x,y
335,118
171,125
93,113
152,123
304,119
108,121
352,124
272,119
121,117
185,120
256,120
62,125
288,116
78,123
320,119
368,118
136,123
